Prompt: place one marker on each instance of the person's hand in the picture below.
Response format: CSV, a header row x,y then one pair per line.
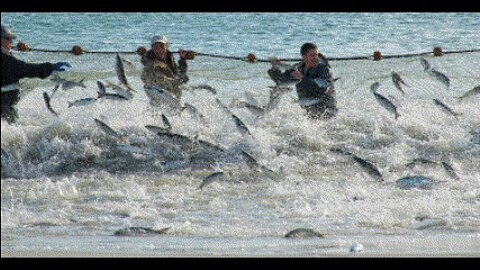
x,y
60,66
296,74
182,53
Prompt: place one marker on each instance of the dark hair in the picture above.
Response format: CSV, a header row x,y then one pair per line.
x,y
307,47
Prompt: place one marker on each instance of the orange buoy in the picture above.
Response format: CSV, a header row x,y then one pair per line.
x,y
141,50
77,50
377,56
251,58
190,55
437,51
22,46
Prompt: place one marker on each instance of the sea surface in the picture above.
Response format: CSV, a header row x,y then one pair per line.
x,y
70,188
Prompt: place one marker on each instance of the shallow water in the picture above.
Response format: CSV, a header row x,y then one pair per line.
x,y
68,186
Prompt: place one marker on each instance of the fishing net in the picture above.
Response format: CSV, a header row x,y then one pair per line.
x,y
363,124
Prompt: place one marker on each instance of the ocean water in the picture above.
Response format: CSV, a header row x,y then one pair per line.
x,y
67,186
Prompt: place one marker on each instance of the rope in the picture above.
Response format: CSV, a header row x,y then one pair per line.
x,y
250,58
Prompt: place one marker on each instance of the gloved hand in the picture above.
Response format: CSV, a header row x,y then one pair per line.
x,y
60,66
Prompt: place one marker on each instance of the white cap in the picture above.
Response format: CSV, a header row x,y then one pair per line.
x,y
159,38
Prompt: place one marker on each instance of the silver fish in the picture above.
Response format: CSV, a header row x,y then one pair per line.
x,y
304,233
369,167
120,69
216,176
67,84
102,93
474,92
139,231
416,161
105,128
440,77
240,125
449,169
206,87
57,86
374,87
121,90
417,181
366,165
426,65
166,122
162,97
255,166
194,111
254,109
81,102
445,108
387,104
176,138
397,80
46,98
156,129
274,101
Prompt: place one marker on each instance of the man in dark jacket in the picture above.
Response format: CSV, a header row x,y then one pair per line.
x,y
13,70
315,89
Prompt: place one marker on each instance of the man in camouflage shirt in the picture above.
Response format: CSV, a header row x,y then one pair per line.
x,y
160,69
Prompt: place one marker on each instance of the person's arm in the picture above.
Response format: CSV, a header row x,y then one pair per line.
x,y
18,69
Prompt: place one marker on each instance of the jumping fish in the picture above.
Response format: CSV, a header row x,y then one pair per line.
x,y
55,88
139,231
417,181
46,98
374,87
120,69
416,161
206,87
102,93
383,101
238,122
67,84
194,111
366,165
240,125
163,97
426,65
156,129
274,100
445,108
304,233
397,80
440,77
176,138
369,167
105,128
254,165
216,176
166,122
474,92
449,169
81,102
